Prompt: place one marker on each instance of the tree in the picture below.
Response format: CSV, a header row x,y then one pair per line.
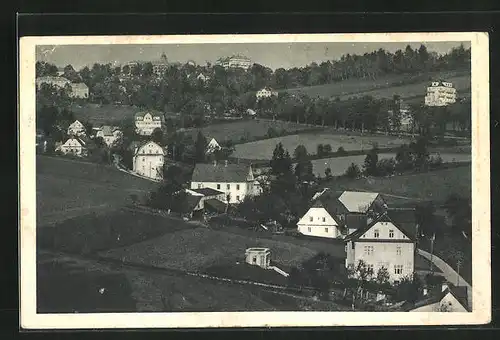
x,y
300,153
459,209
409,289
353,171
200,147
157,136
328,173
404,160
420,153
303,168
370,164
383,276
424,216
320,150
386,166
284,181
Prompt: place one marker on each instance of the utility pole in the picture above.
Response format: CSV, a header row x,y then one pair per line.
x,y
432,252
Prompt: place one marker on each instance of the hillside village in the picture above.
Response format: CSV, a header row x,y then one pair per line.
x,y
370,250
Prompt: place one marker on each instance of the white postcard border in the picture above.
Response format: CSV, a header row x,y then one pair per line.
x,y
481,243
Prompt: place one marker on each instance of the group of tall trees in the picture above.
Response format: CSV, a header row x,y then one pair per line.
x,y
179,90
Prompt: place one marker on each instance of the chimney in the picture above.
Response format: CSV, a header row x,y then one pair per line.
x,y
444,286
225,163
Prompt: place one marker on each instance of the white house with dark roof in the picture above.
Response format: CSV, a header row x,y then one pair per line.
x,y
109,134
236,181
76,129
74,146
148,160
386,243
449,298
147,122
266,92
334,214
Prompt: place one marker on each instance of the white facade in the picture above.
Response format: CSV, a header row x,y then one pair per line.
x,y
258,257
236,62
146,123
74,146
440,94
265,93
318,222
76,129
79,90
110,135
148,161
213,146
447,304
383,245
237,191
60,82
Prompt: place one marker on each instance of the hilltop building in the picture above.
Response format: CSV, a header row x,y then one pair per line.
x,y
59,82
235,180
235,61
148,160
440,93
266,93
160,66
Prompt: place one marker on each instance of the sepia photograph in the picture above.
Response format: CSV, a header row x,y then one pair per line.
x,y
312,180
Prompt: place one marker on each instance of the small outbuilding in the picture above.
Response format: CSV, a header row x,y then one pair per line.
x,y
258,257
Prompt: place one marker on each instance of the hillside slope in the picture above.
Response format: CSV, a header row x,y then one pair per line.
x,y
67,188
385,87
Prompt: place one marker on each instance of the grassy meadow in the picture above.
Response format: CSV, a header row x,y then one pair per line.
x,y
263,149
67,188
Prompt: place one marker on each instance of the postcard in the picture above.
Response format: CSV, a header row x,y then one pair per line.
x,y
282,180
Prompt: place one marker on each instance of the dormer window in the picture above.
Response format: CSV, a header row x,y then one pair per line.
x,y
376,233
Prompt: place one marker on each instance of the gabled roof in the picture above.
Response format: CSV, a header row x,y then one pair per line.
x,y
152,113
223,173
208,192
404,219
357,201
382,218
149,142
81,86
108,130
460,293
81,141
215,204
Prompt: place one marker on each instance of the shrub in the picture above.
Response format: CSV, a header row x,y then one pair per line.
x,y
386,166
341,151
353,171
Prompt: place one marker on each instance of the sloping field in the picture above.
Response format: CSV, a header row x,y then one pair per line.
x,y
67,188
433,185
384,87
247,129
263,149
196,249
105,113
339,165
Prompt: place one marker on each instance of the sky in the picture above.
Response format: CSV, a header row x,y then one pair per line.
x,y
273,55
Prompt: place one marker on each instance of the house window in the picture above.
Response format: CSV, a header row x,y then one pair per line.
x,y
218,186
237,198
199,185
398,269
309,229
237,187
326,230
398,250
391,233
370,267
324,219
228,186
311,218
254,259
368,250
376,233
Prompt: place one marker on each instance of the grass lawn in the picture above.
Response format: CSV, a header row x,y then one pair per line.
x,y
384,87
432,185
67,188
248,129
263,149
92,233
105,113
339,165
200,248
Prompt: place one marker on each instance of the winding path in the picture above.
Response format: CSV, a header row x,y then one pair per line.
x,y
448,272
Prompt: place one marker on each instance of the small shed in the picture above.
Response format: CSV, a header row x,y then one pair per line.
x,y
258,257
